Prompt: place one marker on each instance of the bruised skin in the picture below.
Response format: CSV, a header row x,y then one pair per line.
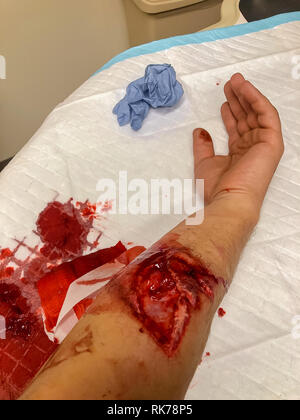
x,y
162,288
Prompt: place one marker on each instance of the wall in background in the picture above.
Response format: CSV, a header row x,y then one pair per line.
x,y
51,47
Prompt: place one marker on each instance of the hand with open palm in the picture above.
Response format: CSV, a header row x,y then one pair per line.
x,y
255,148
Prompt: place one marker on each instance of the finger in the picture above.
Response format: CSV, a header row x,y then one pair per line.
x,y
203,154
236,108
203,146
267,114
237,81
230,123
234,103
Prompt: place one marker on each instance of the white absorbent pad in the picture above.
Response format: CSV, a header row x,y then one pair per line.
x,y
255,349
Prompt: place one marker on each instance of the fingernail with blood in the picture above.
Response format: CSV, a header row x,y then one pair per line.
x,y
204,135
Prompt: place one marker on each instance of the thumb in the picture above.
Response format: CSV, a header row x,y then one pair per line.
x,y
203,146
203,151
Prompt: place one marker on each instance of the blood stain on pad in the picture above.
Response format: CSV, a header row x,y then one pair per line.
x,y
221,313
63,230
53,287
24,346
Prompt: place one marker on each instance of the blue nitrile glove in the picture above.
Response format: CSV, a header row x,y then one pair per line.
x,y
132,109
158,88
161,87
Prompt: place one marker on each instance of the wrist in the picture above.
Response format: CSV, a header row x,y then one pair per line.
x,y
236,208
228,223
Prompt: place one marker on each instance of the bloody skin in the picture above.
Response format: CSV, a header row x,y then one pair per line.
x,y
205,136
163,288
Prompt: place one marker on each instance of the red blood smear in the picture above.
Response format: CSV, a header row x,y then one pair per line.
x,y
6,273
107,206
35,269
221,313
93,282
207,354
63,231
126,258
53,286
9,271
81,307
163,291
88,210
131,255
26,347
5,253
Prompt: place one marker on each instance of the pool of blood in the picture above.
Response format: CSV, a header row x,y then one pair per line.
x,y
43,277
163,290
63,230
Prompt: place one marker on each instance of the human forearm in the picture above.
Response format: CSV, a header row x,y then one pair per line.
x,y
113,353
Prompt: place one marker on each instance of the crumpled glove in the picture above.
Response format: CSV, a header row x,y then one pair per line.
x,y
157,89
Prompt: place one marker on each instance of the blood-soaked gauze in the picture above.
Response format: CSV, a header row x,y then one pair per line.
x,y
163,289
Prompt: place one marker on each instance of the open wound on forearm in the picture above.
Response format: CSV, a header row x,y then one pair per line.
x,y
163,288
